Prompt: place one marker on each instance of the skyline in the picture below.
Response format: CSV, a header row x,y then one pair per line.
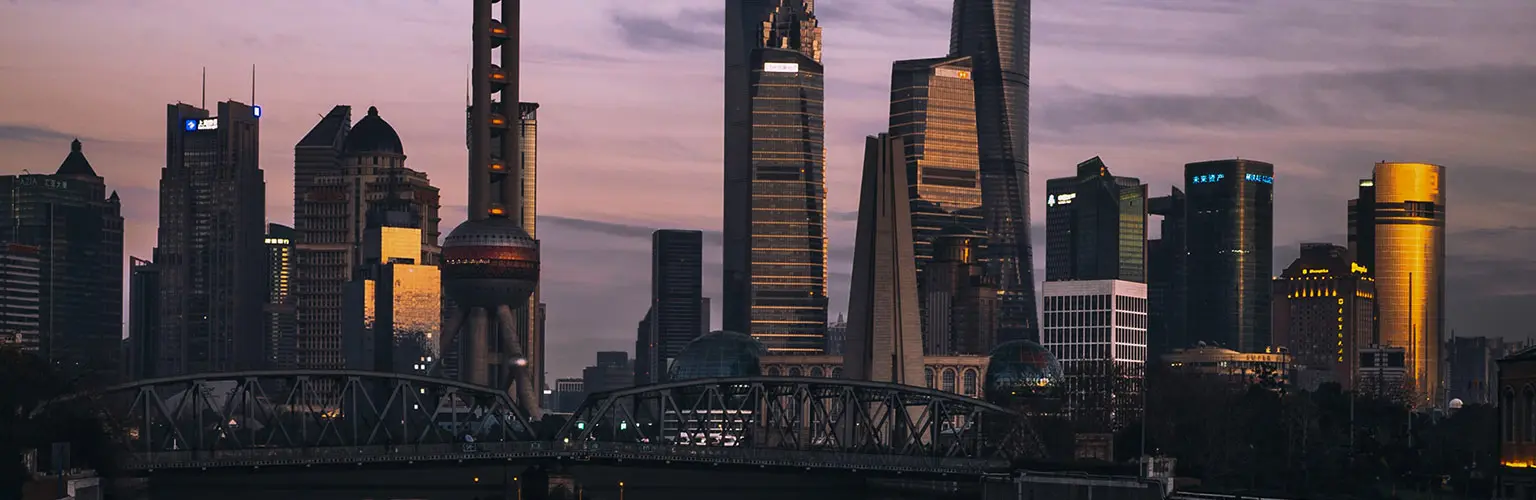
x,y
1095,96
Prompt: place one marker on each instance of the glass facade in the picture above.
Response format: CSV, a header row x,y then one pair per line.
x,y
995,35
789,242
1230,252
1098,330
1022,369
280,308
1165,275
719,354
1096,226
774,265
1410,268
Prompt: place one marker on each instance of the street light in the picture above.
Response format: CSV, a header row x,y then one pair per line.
x,y
621,490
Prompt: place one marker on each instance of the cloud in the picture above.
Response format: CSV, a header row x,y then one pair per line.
x,y
30,133
688,29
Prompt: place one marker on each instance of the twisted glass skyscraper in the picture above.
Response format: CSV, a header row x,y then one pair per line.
x,y
995,35
775,263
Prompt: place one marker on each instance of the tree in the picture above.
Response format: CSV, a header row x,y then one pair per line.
x,y
31,418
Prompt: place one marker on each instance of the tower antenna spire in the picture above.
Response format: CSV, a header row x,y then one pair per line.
x,y
253,84
204,103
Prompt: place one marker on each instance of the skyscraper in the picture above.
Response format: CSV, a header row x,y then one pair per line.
x,y
677,263
366,183
281,307
1096,226
995,35
1322,314
775,255
1098,329
212,262
1409,225
21,291
1230,250
392,308
933,113
77,227
143,319
1166,291
959,300
884,337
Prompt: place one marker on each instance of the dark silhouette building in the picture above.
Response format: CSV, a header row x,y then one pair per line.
x,y
211,257
1230,247
143,319
280,308
885,341
1096,226
677,312
1167,328
995,35
613,370
77,227
959,299
774,266
1322,315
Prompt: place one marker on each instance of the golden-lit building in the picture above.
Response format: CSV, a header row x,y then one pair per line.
x,y
392,310
1323,315
1269,368
961,375
1517,426
1406,223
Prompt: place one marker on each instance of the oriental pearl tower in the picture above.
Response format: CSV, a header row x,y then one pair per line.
x,y
490,263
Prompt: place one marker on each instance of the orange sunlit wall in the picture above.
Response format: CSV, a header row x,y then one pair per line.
x,y
1410,268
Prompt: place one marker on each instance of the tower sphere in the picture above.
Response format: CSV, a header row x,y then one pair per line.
x,y
489,263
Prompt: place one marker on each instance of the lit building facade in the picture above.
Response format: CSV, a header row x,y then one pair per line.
x,y
1166,261
1269,369
933,113
21,292
1322,315
1408,220
78,228
1098,331
1517,426
365,183
281,307
1230,250
677,313
995,35
393,307
212,202
1096,226
775,245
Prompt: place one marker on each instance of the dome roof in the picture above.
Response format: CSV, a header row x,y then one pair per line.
x,y
1022,368
718,354
489,232
75,164
373,135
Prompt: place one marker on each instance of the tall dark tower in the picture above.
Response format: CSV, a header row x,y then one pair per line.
x,y
775,255
490,263
995,35
1230,241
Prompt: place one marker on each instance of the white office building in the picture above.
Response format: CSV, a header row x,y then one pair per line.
x,y
1098,330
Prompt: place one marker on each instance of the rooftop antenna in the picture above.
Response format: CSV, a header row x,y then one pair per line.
x,y
253,84
204,103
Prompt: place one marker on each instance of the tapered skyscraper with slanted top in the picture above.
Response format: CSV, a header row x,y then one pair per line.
x,y
995,35
775,262
885,341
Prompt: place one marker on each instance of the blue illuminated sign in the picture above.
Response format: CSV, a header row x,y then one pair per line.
x,y
1206,179
256,111
1260,178
190,125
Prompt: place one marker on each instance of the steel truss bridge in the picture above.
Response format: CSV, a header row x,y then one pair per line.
x,y
347,417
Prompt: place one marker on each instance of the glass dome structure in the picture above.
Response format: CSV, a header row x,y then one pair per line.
x,y
1022,369
718,354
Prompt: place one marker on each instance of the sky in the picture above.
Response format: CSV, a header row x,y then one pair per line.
x,y
630,135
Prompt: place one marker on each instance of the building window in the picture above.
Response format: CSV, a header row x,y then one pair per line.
x,y
1508,422
837,372
794,371
1530,411
817,372
969,385
949,380
773,371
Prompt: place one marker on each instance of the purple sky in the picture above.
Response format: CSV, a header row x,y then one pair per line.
x,y
630,136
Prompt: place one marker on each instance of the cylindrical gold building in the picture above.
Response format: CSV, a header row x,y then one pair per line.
x,y
1409,220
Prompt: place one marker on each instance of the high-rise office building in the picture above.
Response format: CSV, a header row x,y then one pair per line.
x,y
677,302
281,307
392,308
1166,261
995,35
1407,218
1322,315
569,393
1362,227
78,228
212,262
613,370
1473,376
933,113
959,299
143,319
775,255
530,319
366,183
1230,250
1098,330
21,292
1096,226
885,341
